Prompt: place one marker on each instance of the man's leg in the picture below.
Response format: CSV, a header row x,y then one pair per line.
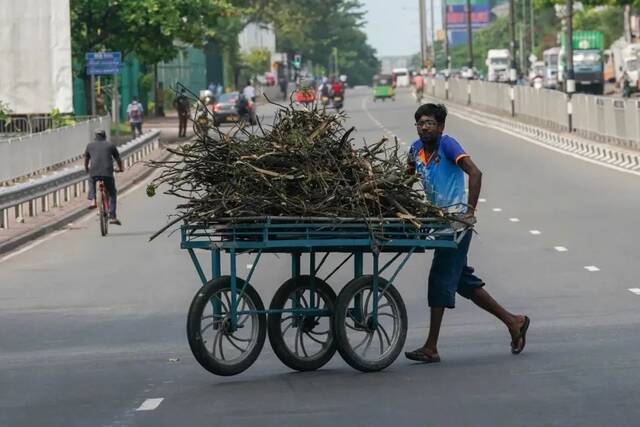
x,y
431,346
110,186
91,194
513,322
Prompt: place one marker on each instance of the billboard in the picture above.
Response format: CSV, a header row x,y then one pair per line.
x,y
457,18
35,47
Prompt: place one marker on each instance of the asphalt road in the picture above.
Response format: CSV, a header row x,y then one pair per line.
x,y
91,328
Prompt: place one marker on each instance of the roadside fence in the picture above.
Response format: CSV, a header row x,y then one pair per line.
x,y
28,199
611,120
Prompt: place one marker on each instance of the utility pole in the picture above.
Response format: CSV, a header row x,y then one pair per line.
x,y
532,27
445,26
433,39
423,33
571,82
512,42
523,29
469,35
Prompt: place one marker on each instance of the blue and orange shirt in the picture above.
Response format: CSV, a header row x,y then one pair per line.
x,y
442,178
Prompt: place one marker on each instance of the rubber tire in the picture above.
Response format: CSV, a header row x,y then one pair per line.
x,y
102,214
198,304
340,331
273,325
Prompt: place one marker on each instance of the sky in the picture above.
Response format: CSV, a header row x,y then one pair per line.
x,y
393,26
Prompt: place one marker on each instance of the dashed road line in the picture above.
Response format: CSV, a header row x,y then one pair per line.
x,y
535,232
591,268
482,200
560,248
514,219
497,209
150,404
249,266
635,290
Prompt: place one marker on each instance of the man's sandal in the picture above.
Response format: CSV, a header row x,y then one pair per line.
x,y
522,334
420,356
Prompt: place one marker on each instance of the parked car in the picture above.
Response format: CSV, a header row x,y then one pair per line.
x,y
230,107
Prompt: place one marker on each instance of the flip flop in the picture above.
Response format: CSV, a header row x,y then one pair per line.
x,y
521,335
421,356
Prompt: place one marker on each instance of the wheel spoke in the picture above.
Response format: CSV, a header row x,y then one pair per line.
x,y
381,342
384,331
221,350
315,339
304,350
287,328
368,344
362,342
366,304
298,331
318,333
240,339
234,344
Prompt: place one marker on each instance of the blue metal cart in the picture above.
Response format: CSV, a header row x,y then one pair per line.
x,y
306,322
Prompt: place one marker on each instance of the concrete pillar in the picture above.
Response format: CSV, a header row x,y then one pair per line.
x,y
67,194
56,198
45,203
33,208
4,218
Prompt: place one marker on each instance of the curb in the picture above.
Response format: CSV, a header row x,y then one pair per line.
x,y
61,222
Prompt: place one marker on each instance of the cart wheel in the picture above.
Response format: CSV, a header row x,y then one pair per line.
x,y
364,344
216,344
303,343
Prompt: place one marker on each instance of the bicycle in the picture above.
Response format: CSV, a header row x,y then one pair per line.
x,y
102,201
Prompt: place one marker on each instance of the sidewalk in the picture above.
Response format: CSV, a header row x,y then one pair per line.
x,y
63,216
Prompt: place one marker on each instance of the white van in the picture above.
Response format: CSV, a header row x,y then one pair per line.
x,y
401,77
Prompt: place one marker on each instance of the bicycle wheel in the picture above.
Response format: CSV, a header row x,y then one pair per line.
x,y
364,344
103,211
302,342
219,347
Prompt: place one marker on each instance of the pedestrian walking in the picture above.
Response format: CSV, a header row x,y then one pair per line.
x,y
442,162
135,112
184,109
283,86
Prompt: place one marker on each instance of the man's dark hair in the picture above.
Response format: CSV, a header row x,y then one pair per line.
x,y
437,111
134,99
101,135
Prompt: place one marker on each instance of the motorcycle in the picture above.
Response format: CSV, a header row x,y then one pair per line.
x,y
324,100
337,102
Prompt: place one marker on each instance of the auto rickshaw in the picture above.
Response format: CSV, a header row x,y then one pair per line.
x,y
383,88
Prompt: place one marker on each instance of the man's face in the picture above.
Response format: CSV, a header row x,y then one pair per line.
x,y
429,129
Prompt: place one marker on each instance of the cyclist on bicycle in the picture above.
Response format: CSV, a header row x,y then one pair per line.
x,y
98,162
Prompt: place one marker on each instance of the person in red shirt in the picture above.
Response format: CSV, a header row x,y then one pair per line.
x,y
336,88
418,81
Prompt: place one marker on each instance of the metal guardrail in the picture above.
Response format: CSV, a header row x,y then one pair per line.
x,y
63,185
611,120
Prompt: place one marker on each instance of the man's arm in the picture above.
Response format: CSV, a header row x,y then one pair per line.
x,y
475,182
87,157
116,155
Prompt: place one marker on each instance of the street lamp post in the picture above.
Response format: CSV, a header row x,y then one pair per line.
x,y
512,42
445,26
469,35
571,82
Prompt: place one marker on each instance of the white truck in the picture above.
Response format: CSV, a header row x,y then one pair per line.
x,y
498,61
551,58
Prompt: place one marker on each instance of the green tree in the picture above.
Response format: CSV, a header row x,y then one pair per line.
x,y
314,28
257,61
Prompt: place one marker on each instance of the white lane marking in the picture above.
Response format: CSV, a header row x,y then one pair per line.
x,y
541,144
560,248
591,268
482,200
249,266
535,232
635,290
150,404
497,209
33,245
514,219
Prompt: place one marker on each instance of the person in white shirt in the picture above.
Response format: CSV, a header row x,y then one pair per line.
x,y
135,111
249,92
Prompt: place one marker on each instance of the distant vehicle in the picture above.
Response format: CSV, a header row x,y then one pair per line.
x,y
231,107
401,77
382,88
551,57
498,61
536,74
631,62
588,61
468,73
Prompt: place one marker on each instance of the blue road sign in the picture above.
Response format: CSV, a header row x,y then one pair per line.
x,y
103,63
